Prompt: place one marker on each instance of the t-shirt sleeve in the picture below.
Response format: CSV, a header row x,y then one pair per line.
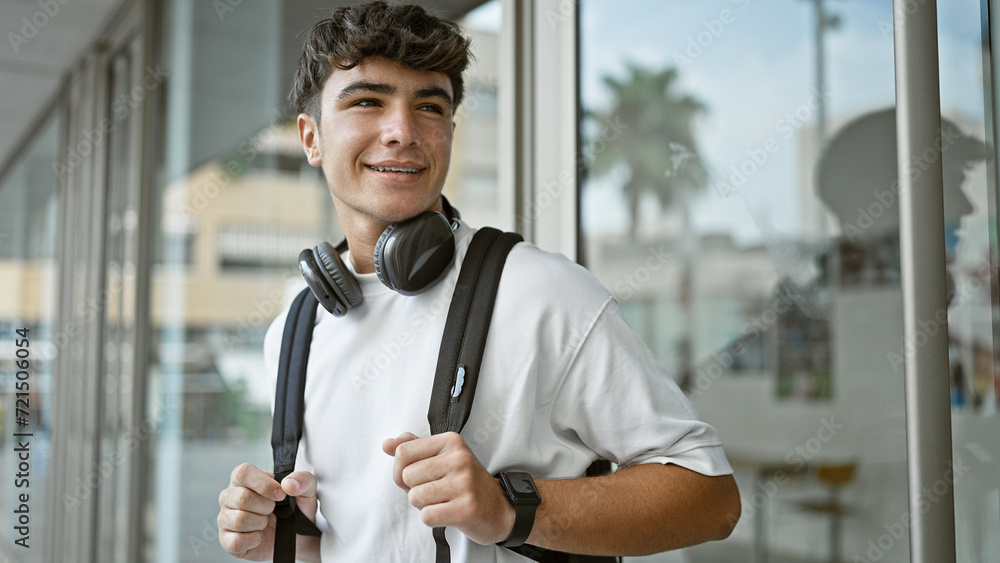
x,y
618,400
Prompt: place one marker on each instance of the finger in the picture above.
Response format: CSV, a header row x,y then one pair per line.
x,y
412,450
302,485
435,515
299,484
238,544
257,480
389,446
241,521
242,498
431,492
423,471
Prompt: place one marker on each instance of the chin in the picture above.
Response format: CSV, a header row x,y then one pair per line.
x,y
405,209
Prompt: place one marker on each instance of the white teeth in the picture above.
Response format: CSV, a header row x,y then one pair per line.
x,y
395,169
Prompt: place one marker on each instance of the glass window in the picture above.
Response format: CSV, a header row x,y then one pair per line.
x,y
121,339
235,198
969,98
29,229
740,202
472,178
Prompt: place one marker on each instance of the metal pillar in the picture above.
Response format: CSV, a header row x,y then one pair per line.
x,y
922,257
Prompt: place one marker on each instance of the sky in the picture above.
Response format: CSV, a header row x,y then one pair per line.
x,y
753,65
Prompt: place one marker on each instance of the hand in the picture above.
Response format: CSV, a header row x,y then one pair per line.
x,y
246,522
445,481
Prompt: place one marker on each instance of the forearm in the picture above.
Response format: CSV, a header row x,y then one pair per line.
x,y
638,510
307,548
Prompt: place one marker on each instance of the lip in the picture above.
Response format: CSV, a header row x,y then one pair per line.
x,y
396,164
404,171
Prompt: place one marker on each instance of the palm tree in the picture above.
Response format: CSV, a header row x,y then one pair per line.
x,y
656,143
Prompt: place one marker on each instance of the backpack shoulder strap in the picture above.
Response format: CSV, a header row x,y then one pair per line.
x,y
289,409
461,357
463,343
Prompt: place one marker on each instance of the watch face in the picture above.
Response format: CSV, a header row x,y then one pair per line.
x,y
521,487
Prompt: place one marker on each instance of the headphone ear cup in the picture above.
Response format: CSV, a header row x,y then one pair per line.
x,y
377,256
413,255
337,275
319,285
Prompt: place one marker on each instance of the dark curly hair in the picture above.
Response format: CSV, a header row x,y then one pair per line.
x,y
405,34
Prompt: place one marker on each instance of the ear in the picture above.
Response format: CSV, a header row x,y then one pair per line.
x,y
309,137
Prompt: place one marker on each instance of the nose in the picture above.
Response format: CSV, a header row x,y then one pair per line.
x,y
399,127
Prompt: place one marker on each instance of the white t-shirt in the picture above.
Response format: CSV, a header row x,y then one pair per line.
x,y
564,381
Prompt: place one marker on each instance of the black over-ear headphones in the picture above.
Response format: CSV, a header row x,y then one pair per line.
x,y
410,257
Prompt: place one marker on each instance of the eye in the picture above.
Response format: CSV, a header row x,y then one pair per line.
x,y
432,107
367,103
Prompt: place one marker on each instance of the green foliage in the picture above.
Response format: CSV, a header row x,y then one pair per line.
x,y
240,413
657,145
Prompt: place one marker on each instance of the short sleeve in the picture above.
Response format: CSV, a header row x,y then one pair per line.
x,y
618,400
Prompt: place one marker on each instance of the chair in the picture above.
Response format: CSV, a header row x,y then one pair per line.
x,y
834,477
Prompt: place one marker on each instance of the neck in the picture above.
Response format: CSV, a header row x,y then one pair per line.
x,y
362,244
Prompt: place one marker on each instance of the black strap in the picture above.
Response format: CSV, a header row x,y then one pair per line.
x,y
463,343
441,547
461,356
286,430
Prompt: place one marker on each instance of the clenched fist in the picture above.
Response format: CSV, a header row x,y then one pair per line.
x,y
450,487
246,522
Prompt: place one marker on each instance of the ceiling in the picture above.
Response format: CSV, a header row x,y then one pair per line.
x,y
41,41
44,39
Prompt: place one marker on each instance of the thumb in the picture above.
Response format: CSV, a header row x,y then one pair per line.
x,y
302,486
389,446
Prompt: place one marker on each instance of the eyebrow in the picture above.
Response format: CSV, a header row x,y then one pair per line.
x,y
373,87
436,92
355,88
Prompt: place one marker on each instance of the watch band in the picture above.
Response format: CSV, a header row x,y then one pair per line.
x,y
524,519
524,501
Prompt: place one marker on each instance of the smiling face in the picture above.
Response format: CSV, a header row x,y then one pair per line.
x,y
383,141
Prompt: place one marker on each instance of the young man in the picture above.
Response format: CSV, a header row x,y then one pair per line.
x,y
564,379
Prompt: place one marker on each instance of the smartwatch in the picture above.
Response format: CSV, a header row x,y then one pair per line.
x,y
519,488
